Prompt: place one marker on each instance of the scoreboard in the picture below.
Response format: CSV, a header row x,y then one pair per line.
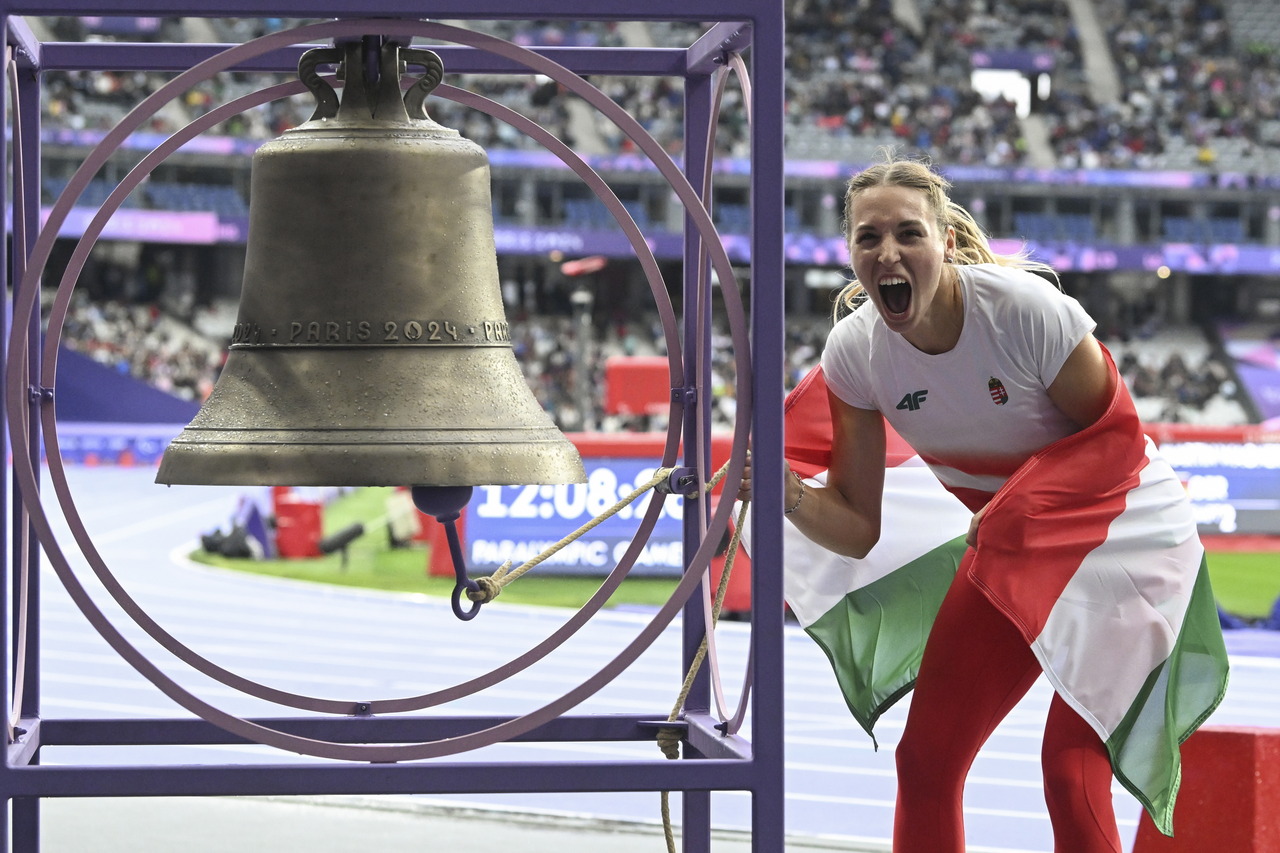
x,y
518,523
1231,474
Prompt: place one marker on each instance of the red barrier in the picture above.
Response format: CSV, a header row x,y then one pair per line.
x,y
637,385
439,560
1163,433
298,528
1230,795
737,595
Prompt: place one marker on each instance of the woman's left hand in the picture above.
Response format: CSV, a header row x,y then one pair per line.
x,y
971,538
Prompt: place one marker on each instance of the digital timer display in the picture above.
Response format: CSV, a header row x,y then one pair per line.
x,y
1234,486
518,523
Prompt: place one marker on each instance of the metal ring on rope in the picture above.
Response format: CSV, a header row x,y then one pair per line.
x,y
27,481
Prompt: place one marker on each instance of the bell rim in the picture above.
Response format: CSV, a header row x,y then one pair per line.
x,y
203,462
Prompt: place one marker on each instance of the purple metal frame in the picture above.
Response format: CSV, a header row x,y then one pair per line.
x,y
716,757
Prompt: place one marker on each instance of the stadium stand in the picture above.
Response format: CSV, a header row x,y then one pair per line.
x,y
1193,89
1176,376
1197,83
145,342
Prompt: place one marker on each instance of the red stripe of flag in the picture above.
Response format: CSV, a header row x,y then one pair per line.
x,y
807,423
1055,510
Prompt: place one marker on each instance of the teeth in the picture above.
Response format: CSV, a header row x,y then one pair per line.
x,y
888,282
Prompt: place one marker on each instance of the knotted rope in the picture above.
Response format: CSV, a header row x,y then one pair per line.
x,y
669,737
491,586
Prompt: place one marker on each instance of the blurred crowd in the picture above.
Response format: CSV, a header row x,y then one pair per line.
x,y
142,341
1183,389
1185,77
564,362
854,69
99,99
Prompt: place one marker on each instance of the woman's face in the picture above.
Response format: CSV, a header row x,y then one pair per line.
x,y
898,254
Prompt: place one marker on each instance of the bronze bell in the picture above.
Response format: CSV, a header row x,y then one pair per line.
x,y
371,347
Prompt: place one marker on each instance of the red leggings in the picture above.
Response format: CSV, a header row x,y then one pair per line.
x,y
976,667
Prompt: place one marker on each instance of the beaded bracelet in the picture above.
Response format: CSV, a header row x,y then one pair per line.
x,y
795,506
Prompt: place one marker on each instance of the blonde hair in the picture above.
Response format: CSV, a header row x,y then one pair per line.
x,y
972,245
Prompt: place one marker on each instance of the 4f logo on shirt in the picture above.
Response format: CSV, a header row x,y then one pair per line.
x,y
913,401
999,395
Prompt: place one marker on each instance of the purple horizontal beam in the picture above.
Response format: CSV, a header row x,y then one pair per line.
x,y
389,729
432,777
458,59
704,738
707,53
707,741
588,10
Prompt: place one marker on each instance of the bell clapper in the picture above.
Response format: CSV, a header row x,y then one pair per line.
x,y
445,505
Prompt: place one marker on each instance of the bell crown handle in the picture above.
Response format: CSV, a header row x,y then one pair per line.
x,y
415,99
326,98
327,102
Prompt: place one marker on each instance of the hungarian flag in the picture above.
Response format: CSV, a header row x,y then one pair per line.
x,y
1091,550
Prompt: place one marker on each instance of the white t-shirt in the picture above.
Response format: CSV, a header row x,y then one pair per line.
x,y
978,411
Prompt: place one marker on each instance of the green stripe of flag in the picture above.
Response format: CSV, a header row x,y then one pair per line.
x,y
1177,697
874,636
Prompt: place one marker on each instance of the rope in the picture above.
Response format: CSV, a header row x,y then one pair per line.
x,y
669,738
491,586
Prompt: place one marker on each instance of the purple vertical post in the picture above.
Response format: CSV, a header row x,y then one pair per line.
x,y
695,806
13,513
24,829
767,322
29,104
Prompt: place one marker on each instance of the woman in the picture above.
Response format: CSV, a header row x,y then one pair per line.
x,y
980,364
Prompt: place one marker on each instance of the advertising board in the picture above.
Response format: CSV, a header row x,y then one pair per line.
x,y
1231,474
518,523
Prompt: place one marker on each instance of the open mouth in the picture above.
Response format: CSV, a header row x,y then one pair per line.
x,y
895,295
